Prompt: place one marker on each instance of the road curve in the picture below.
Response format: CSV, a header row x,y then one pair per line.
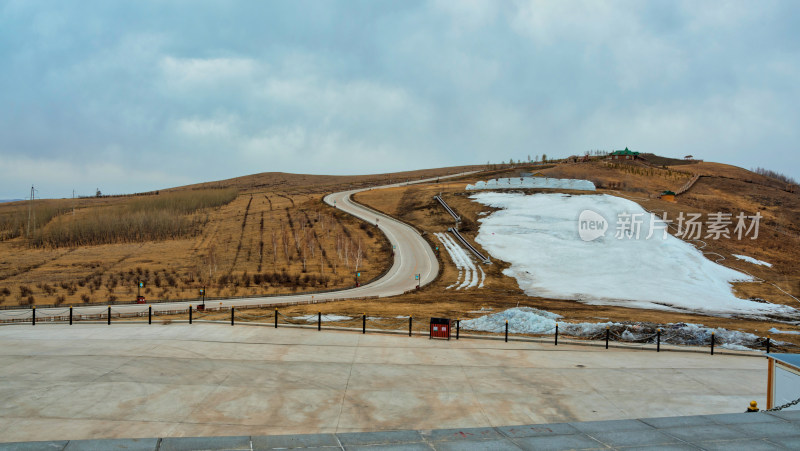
x,y
413,255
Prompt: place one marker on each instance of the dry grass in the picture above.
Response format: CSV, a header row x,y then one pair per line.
x,y
160,217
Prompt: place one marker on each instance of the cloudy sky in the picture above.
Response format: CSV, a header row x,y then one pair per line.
x,y
139,95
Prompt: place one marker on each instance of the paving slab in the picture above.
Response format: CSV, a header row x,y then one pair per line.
x,y
477,445
704,433
394,447
295,441
790,415
204,443
769,430
788,442
34,446
735,418
131,444
748,444
673,422
537,430
617,439
683,447
463,434
379,438
591,427
558,442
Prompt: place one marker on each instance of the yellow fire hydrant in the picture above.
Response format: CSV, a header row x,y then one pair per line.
x,y
753,407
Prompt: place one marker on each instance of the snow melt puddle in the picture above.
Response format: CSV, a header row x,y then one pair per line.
x,y
538,235
464,262
527,320
752,260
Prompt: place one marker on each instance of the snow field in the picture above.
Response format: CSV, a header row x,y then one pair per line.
x,y
473,276
538,235
533,182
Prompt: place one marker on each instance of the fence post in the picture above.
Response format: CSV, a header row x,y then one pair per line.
x,y
506,331
556,341
767,345
458,327
70,315
608,332
33,315
109,315
712,343
232,310
409,325
276,318
364,323
149,314
190,313
658,340
319,320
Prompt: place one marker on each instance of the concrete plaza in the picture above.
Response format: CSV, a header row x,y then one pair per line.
x,y
60,382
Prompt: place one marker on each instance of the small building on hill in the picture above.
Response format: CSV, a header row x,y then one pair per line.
x,y
624,155
668,196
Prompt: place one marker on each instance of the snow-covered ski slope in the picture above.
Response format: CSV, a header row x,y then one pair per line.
x,y
470,275
538,235
533,182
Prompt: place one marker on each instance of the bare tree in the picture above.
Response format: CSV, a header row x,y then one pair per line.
x,y
285,238
211,261
358,257
274,248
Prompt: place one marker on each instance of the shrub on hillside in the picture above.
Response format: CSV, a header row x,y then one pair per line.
x,y
162,217
775,175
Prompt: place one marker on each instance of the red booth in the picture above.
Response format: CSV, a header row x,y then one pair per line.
x,y
440,328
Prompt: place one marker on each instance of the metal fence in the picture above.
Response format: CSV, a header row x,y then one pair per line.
x,y
270,315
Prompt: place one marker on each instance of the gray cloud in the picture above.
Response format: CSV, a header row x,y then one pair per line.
x,y
132,96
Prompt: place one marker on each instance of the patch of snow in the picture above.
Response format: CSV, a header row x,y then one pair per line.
x,y
752,260
734,347
533,182
527,320
313,318
789,332
521,320
463,262
538,235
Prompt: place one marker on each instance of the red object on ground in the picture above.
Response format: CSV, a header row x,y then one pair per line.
x,y
440,328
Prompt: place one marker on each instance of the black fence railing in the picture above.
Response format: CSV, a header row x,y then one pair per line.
x,y
270,315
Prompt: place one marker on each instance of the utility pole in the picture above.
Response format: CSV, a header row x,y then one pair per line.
x,y
31,214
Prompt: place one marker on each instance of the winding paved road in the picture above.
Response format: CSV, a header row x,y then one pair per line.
x,y
413,255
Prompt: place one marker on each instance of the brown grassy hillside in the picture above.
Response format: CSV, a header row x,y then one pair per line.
x,y
262,234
